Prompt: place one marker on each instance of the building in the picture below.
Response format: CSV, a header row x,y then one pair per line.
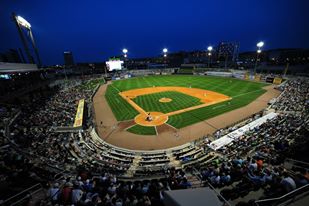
x,y
68,59
227,52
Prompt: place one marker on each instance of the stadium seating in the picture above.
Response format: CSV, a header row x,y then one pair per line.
x,y
100,172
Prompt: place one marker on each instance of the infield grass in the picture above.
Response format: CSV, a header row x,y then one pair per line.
x,y
142,130
150,102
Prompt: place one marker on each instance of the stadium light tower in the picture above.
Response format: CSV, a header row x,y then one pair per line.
x,y
125,51
209,54
165,52
23,23
259,50
165,55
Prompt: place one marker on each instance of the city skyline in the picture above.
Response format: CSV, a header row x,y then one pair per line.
x,y
96,31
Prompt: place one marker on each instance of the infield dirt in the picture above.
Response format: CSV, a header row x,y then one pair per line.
x,y
113,132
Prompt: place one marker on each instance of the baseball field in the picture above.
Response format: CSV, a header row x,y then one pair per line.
x,y
176,101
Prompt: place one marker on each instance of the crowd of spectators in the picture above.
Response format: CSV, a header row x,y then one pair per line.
x,y
253,161
106,189
295,96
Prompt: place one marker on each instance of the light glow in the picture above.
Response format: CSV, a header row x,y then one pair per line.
x,y
23,22
165,50
259,51
125,51
260,44
209,48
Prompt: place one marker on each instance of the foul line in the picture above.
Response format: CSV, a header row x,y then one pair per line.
x,y
247,93
115,88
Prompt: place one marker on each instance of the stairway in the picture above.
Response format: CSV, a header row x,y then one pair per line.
x,y
173,162
196,183
131,171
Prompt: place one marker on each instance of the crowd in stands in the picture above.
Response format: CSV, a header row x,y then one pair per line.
x,y
252,162
106,189
295,97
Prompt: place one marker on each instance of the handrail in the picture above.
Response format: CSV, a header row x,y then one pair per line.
x,y
212,187
283,196
297,161
24,191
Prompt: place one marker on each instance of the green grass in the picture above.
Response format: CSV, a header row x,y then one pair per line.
x,y
150,102
201,114
142,130
242,92
120,107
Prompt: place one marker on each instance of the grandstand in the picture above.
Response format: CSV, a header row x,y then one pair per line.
x,y
48,158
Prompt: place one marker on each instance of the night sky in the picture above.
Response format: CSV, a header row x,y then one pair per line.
x,y
97,29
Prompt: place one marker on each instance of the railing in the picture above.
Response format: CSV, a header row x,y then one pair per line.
x,y
23,195
291,196
289,163
198,175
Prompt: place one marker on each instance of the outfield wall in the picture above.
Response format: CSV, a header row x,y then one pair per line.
x,y
219,74
144,72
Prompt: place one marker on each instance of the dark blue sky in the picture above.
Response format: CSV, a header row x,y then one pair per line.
x,y
96,29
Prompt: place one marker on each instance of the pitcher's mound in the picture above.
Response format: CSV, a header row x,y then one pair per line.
x,y
164,100
157,118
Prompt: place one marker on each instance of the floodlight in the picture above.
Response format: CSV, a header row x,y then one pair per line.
x,y
165,55
125,51
260,44
209,54
23,22
209,48
259,51
125,55
165,50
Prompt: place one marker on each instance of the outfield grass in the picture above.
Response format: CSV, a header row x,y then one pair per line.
x,y
242,92
120,107
201,114
150,102
142,130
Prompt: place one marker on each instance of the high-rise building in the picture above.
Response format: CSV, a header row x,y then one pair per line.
x,y
68,59
227,52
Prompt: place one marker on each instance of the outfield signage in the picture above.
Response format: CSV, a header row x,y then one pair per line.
x,y
257,77
277,80
79,114
269,79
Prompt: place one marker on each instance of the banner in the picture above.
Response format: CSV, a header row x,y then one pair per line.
x,y
269,79
246,77
257,77
277,80
79,114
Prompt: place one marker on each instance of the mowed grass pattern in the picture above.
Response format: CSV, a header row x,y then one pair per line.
x,y
120,107
242,92
198,115
150,102
142,130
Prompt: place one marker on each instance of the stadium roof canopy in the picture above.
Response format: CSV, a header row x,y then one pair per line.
x,y
197,197
17,67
